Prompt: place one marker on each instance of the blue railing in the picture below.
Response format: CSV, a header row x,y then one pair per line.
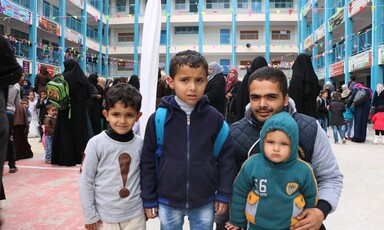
x,y
48,56
21,49
73,24
308,30
338,53
92,34
218,5
362,42
337,4
48,11
320,19
94,3
320,62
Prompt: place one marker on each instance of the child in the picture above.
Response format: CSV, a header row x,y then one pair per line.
x,y
322,111
41,104
378,124
109,181
34,125
187,180
337,108
49,127
273,187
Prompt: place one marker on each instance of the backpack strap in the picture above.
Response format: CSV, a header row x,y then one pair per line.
x,y
160,115
220,139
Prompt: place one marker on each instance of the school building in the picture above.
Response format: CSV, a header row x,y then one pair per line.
x,y
345,38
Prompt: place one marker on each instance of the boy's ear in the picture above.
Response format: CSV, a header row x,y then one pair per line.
x,y
105,114
170,82
138,116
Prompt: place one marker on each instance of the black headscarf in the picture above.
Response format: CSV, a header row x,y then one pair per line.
x,y
93,78
304,85
10,70
78,83
134,81
242,98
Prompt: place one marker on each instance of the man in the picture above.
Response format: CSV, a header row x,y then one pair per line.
x,y
268,95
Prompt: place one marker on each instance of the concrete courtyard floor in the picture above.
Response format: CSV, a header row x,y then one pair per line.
x,y
41,196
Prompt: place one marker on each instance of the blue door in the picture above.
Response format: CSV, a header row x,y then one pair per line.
x,y
225,64
224,37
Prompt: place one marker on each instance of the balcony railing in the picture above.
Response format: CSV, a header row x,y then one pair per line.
x,y
25,3
21,49
337,4
92,34
381,33
338,53
362,42
48,56
73,24
320,62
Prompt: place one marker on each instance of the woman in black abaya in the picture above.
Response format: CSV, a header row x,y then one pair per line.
x,y
242,98
71,131
304,85
94,108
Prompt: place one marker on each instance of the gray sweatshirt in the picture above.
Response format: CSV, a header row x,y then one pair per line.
x,y
13,97
102,192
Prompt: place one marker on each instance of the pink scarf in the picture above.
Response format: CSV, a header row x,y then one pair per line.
x,y
232,79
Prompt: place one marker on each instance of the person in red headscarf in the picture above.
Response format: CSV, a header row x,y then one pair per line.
x,y
233,83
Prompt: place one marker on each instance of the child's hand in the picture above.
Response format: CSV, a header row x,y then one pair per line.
x,y
94,225
151,212
220,208
229,226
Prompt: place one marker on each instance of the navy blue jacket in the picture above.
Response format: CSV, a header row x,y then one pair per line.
x,y
188,174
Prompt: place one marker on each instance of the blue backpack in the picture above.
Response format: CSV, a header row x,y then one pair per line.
x,y
160,115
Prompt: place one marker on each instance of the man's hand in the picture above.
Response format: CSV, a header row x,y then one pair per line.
x,y
220,208
151,213
94,225
309,219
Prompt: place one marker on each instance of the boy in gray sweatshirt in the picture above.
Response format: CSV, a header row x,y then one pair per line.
x,y
110,174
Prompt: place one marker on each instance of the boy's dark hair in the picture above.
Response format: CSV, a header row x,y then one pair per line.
x,y
124,93
353,78
49,106
323,91
25,100
273,75
188,57
380,108
336,96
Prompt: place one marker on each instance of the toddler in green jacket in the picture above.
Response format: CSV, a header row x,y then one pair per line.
x,y
274,186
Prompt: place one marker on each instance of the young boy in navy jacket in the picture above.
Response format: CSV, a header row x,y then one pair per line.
x,y
187,180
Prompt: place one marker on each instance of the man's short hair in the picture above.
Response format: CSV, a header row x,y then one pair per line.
x,y
273,75
190,58
353,78
124,93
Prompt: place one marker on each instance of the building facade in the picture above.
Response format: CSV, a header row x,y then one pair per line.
x,y
48,32
345,38
229,32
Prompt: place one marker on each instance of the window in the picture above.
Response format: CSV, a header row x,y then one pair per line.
x,y
121,5
19,34
1,29
55,13
180,5
242,4
163,37
186,30
125,37
249,35
132,6
281,35
281,4
121,66
46,9
218,4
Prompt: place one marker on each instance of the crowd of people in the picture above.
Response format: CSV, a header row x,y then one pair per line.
x,y
127,178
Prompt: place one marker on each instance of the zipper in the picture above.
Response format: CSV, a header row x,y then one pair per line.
x,y
187,192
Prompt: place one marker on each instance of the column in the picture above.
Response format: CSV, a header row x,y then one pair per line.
x,y
328,37
63,25
136,38
106,37
348,41
168,35
100,39
234,7
84,21
376,70
201,28
267,33
314,27
33,39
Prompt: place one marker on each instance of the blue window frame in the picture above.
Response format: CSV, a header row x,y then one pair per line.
x,y
186,30
46,9
224,36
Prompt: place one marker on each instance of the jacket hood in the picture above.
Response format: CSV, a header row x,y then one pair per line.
x,y
282,121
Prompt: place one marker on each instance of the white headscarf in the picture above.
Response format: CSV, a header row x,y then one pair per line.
x,y
216,69
379,88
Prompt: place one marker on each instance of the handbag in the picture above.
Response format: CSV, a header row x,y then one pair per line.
x,y
360,97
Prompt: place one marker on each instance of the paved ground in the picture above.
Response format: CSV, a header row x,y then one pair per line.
x,y
41,196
